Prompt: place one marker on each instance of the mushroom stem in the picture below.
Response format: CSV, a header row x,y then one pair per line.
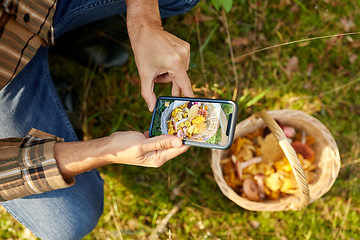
x,y
303,137
239,166
259,178
182,120
253,160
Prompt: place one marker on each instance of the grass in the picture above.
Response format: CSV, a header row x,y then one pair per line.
x,y
325,83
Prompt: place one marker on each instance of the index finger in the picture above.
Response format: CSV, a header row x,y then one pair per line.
x,y
183,82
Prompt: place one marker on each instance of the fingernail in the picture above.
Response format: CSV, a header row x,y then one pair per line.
x,y
150,109
176,143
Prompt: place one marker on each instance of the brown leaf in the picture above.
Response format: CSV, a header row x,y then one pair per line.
x,y
284,3
188,19
292,64
347,24
175,192
353,57
203,18
255,224
355,43
240,41
309,69
295,8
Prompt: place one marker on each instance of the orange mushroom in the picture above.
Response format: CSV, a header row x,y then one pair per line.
x,y
304,150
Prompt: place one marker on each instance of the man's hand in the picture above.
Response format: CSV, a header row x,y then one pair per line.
x,y
139,149
159,55
132,148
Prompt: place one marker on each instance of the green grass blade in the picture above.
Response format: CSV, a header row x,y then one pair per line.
x,y
203,46
303,7
256,98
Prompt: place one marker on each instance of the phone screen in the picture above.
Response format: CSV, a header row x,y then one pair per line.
x,y
199,122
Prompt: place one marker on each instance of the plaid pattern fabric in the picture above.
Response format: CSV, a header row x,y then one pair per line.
x,y
28,166
24,27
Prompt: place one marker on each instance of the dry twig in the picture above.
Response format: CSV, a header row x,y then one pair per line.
x,y
160,228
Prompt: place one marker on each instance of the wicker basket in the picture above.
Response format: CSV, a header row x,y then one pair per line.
x,y
326,152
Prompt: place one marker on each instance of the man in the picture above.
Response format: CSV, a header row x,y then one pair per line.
x,y
53,187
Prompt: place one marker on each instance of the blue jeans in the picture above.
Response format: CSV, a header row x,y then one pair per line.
x,y
30,100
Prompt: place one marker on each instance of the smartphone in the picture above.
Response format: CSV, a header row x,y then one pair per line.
x,y
208,123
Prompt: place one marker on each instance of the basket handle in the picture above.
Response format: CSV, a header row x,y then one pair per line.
x,y
291,156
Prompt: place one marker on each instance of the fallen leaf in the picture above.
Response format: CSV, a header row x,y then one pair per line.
x,y
309,69
353,57
188,19
295,8
240,41
203,18
175,192
255,224
284,3
292,64
347,24
355,44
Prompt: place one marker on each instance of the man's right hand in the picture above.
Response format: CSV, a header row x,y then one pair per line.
x,y
159,55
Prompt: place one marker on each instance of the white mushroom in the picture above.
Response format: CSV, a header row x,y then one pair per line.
x,y
303,137
181,121
241,165
289,131
180,134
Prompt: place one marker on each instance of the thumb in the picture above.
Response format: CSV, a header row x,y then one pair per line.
x,y
162,142
147,87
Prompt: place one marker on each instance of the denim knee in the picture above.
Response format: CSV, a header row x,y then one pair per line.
x,y
64,214
169,8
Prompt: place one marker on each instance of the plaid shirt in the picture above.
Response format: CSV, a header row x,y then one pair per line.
x,y
28,166
24,26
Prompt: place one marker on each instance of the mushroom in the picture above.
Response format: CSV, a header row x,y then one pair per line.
x,y
180,134
239,166
193,112
251,190
174,124
304,150
181,121
303,137
270,149
289,131
259,178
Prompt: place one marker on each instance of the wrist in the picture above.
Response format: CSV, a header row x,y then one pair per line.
x,y
142,14
74,158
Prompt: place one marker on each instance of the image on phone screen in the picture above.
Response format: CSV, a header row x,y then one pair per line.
x,y
193,120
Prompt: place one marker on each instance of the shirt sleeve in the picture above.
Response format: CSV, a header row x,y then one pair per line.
x,y
28,166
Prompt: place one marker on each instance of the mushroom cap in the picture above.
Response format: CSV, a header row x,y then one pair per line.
x,y
304,150
250,189
270,149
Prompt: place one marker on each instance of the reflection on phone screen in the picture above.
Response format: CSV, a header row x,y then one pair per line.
x,y
205,122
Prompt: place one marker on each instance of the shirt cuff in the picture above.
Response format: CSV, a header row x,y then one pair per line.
x,y
38,166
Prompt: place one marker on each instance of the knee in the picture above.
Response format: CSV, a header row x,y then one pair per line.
x,y
169,8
